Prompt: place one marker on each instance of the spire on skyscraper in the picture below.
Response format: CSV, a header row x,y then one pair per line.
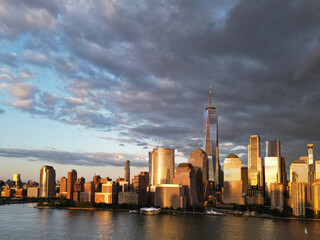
x,y
210,107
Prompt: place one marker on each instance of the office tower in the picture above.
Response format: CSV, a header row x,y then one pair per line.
x,y
150,169
317,174
127,170
17,179
299,198
316,196
311,163
199,158
186,176
211,143
81,181
72,178
47,182
299,171
162,166
63,185
276,196
232,180
140,185
255,165
272,164
244,179
89,192
170,195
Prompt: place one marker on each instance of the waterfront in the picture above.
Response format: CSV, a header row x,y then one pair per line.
x,y
22,221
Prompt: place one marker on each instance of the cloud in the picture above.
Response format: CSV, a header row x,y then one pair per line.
x,y
2,111
73,158
146,70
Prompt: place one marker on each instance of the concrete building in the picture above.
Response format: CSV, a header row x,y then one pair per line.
x,y
316,196
317,173
17,180
276,196
199,158
63,185
232,180
162,163
170,195
140,185
108,195
72,178
128,198
244,179
89,191
47,183
211,144
33,192
299,198
299,171
186,176
127,171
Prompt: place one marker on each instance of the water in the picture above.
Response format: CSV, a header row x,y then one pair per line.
x,y
22,221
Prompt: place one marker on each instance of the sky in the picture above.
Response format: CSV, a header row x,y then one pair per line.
x,y
87,84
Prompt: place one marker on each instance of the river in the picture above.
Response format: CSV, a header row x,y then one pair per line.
x,y
22,221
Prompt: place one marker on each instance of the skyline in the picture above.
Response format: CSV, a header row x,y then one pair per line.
x,y
134,83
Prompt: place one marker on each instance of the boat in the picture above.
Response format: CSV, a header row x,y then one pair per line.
x,y
211,212
305,231
133,212
150,211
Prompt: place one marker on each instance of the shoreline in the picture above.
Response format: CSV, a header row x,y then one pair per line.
x,y
176,212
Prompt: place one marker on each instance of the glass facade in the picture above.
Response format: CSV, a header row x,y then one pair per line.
x,y
232,168
272,173
255,166
211,144
162,166
47,183
273,148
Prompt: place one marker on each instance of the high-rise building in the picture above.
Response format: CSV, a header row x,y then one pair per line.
x,y
272,167
232,180
170,195
140,185
47,182
162,161
244,179
72,178
199,158
299,171
317,163
316,196
211,143
299,198
186,176
276,196
150,168
108,195
255,164
63,185
17,179
127,170
311,163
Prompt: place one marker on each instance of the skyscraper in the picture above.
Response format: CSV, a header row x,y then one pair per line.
x,y
211,143
127,170
63,185
311,164
255,165
162,163
232,180
272,166
199,158
47,187
299,171
72,178
317,169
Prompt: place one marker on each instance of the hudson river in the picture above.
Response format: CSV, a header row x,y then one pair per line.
x,y
22,221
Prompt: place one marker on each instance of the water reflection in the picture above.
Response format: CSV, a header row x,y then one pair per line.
x,y
25,222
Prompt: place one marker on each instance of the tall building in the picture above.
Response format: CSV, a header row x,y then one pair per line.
x,y
276,196
244,179
211,143
47,187
272,166
186,176
72,178
232,180
317,163
255,164
199,158
299,198
162,161
311,163
170,195
150,168
63,185
127,170
140,185
299,171
17,179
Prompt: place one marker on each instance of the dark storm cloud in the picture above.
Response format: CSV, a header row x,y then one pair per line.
x,y
81,159
144,68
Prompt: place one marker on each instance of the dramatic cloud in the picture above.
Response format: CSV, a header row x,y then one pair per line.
x,y
80,159
144,68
